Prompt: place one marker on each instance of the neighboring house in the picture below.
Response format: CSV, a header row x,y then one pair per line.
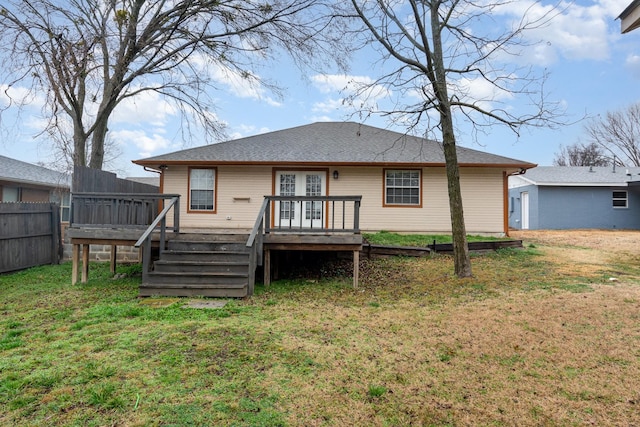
x,y
401,179
149,180
630,17
25,182
565,197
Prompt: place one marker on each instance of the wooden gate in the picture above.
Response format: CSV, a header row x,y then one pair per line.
x,y
29,235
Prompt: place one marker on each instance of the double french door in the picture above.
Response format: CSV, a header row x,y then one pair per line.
x,y
300,213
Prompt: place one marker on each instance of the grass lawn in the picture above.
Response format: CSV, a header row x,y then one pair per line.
x,y
522,343
417,240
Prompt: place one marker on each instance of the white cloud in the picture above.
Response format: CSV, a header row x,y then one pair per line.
x,y
241,131
146,144
633,64
145,107
576,31
480,90
20,96
359,92
242,86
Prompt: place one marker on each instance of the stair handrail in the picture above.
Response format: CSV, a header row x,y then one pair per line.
x,y
161,219
255,243
258,227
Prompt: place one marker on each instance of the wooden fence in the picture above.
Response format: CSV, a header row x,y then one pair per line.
x,y
87,180
29,235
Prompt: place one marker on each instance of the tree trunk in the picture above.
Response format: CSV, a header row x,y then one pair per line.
x,y
97,142
462,262
79,144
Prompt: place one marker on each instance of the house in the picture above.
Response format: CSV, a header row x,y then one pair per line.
x,y
630,17
565,197
225,208
25,182
401,179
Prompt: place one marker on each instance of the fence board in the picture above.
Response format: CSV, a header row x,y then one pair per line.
x,y
87,180
29,235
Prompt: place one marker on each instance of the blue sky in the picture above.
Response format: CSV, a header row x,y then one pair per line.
x,y
593,69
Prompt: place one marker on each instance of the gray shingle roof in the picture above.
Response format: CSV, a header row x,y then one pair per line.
x,y
330,143
581,175
149,180
27,173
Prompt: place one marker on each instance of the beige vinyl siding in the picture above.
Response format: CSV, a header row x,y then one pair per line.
x,y
482,190
241,190
483,200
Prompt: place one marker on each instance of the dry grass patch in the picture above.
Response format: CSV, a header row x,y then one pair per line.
x,y
525,359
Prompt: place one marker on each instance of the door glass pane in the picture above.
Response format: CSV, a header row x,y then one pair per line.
x,y
287,188
313,209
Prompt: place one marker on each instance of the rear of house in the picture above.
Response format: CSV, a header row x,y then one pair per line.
x,y
401,179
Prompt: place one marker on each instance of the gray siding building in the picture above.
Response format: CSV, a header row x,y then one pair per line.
x,y
569,197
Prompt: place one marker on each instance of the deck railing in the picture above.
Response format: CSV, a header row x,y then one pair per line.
x,y
161,221
303,214
121,210
312,214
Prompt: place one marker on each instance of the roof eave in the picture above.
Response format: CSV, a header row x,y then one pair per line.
x,y
156,164
35,183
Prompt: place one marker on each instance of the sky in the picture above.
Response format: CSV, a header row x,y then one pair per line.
x,y
592,69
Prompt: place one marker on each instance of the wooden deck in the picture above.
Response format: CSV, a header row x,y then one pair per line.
x,y
82,238
312,242
122,220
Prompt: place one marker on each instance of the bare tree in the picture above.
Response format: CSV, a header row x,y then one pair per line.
x,y
86,56
581,155
438,52
618,134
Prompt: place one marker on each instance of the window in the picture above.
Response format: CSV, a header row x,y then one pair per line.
x,y
10,194
64,200
402,187
202,190
620,199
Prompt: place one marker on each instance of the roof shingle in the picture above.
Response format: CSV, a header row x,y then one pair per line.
x,y
582,175
27,173
330,143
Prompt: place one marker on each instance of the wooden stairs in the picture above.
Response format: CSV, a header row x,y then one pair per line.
x,y
209,265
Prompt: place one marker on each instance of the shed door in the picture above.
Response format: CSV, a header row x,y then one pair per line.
x,y
307,214
524,210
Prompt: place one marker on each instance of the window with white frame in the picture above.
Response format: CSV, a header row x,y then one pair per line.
x,y
402,187
620,199
201,190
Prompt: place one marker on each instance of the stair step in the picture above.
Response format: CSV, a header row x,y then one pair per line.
x,y
191,266
182,290
216,237
206,246
198,278
219,256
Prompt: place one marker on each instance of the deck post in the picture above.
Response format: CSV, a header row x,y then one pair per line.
x,y
267,267
75,258
356,268
114,256
85,263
